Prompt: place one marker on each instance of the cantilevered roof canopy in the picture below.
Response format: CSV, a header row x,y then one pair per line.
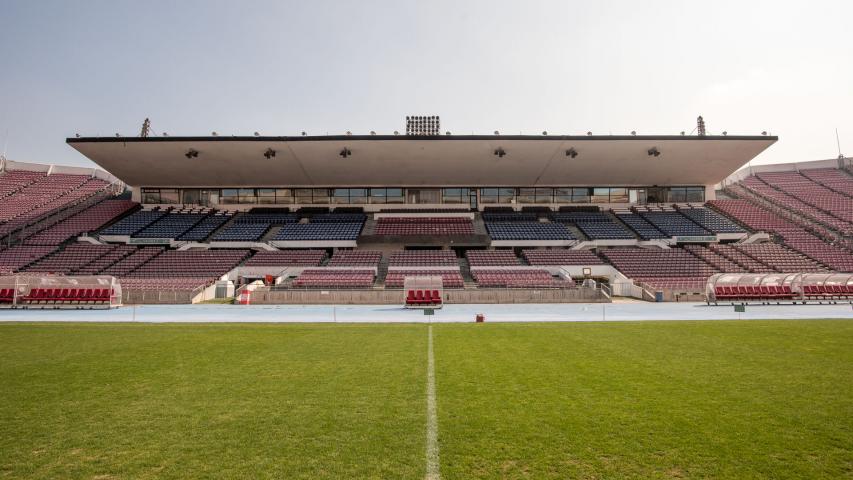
x,y
465,161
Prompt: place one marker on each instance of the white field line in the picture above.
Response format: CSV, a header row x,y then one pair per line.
x,y
432,470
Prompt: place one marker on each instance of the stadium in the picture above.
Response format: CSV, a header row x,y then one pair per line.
x,y
476,240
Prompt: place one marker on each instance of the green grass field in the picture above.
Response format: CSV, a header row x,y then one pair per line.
x,y
752,399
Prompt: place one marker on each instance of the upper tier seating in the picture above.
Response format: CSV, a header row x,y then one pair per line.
x,y
14,258
287,258
674,224
736,255
812,193
528,231
13,181
796,201
491,258
661,268
561,257
594,224
132,261
204,228
134,222
832,178
449,278
71,259
424,226
171,225
174,283
644,229
88,220
355,258
753,216
203,266
46,194
519,279
241,232
332,278
319,231
423,258
711,220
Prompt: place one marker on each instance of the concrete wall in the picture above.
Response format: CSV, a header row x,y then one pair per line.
x,y
395,297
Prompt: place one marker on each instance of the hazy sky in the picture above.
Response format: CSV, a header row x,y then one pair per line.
x,y
101,67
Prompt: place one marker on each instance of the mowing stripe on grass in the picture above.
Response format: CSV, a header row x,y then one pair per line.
x,y
432,472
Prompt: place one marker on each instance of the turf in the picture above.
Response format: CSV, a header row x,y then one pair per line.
x,y
752,399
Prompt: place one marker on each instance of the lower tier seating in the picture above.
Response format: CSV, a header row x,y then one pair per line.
x,y
287,258
561,257
449,278
332,278
519,279
319,231
491,258
528,231
423,258
355,258
661,268
424,226
17,257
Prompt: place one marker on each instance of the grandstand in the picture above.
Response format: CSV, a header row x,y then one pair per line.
x,y
350,227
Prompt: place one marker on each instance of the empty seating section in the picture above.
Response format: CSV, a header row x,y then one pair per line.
x,y
510,217
331,278
106,261
204,228
71,259
824,292
46,194
561,257
781,258
736,255
833,256
179,283
449,278
519,279
241,232
491,258
13,181
661,268
797,193
716,260
287,258
528,231
424,226
355,258
88,220
270,218
595,225
132,261
339,218
423,258
171,225
757,292
202,266
644,229
15,258
711,220
319,231
134,222
674,224
832,178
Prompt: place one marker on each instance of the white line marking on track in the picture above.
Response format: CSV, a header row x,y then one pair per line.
x,y
432,470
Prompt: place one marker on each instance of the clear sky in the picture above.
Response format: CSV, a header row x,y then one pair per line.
x,y
100,67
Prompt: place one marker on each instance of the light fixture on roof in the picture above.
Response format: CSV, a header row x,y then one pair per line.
x,y
423,125
654,152
764,133
725,133
544,133
497,132
165,134
257,134
588,134
349,134
191,153
214,134
682,133
572,152
447,132
304,134
396,132
500,152
633,133
346,152
372,132
269,153
700,126
118,135
77,135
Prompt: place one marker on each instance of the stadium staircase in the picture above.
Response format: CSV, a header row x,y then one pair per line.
x,y
369,227
468,281
382,271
